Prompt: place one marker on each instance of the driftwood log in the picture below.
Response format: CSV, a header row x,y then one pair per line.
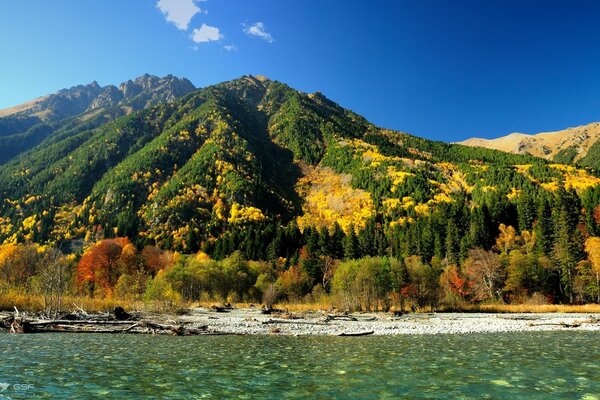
x,y
339,317
81,322
357,333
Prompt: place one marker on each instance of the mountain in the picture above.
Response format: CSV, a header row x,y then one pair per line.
x,y
254,165
578,145
24,126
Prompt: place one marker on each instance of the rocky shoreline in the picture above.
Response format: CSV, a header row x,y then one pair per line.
x,y
231,321
254,322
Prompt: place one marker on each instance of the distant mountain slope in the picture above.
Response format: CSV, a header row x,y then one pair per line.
x,y
565,146
234,165
24,126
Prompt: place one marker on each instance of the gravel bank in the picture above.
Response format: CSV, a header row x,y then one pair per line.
x,y
253,322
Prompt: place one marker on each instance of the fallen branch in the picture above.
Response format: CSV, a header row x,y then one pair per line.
x,y
343,317
563,324
357,333
288,321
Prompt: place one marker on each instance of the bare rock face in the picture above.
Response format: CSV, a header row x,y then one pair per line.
x,y
142,92
108,98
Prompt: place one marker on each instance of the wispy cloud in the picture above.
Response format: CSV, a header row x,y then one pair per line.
x,y
258,29
179,12
230,47
206,33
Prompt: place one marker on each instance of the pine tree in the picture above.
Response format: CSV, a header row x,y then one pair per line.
x,y
479,229
525,211
337,242
324,241
351,250
567,252
452,243
544,230
366,239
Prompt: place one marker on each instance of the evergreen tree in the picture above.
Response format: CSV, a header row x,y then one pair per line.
x,y
525,210
452,243
351,249
480,234
366,239
565,257
544,229
337,242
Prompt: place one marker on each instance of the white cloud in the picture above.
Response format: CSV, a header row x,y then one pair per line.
x,y
230,47
179,12
206,33
258,29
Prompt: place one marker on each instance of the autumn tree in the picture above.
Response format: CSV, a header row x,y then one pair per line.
x,y
592,248
455,286
293,283
102,264
485,274
423,282
17,264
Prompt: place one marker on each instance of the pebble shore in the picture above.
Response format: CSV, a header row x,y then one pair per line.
x,y
254,322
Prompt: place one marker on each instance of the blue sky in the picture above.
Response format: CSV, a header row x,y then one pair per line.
x,y
445,70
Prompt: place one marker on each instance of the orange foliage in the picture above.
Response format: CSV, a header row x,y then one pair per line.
x,y
453,281
102,264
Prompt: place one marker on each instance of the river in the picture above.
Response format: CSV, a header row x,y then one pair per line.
x,y
532,365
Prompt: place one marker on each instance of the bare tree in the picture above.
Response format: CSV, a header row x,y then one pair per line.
x,y
328,265
53,279
485,273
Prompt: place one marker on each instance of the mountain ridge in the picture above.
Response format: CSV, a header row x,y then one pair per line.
x,y
570,145
24,126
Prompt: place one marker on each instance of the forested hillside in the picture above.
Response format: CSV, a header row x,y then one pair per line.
x,y
255,168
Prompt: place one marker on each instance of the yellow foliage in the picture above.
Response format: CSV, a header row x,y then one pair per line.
x,y
441,197
507,239
219,209
514,193
397,177
390,205
30,225
422,209
406,203
202,256
329,198
5,226
522,168
369,153
580,180
592,248
563,167
241,214
550,186
183,135
31,199
29,222
402,221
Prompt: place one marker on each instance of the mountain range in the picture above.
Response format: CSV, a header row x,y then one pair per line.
x,y
237,164
26,125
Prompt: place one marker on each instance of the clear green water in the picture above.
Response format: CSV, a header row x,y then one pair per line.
x,y
543,365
